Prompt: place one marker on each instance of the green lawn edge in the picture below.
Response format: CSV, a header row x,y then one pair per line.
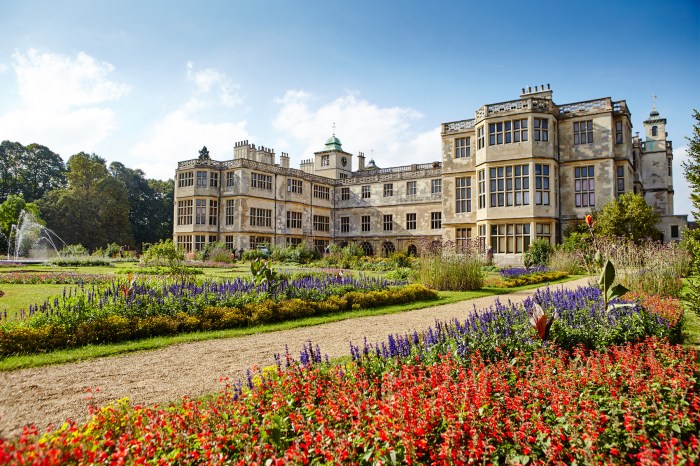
x,y
97,351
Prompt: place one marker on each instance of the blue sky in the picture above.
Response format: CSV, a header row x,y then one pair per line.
x,y
150,83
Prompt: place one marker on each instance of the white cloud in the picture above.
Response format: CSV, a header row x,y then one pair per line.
x,y
62,101
200,120
3,67
383,133
681,197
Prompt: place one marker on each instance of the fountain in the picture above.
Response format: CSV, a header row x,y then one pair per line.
x,y
33,242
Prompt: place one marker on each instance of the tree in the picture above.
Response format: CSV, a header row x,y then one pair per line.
x,y
40,171
10,159
204,153
692,165
10,211
628,216
93,210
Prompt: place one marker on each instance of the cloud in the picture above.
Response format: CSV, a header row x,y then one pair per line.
x,y
202,119
62,101
3,67
386,134
681,196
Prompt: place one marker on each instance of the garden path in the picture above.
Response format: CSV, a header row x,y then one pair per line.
x,y
51,394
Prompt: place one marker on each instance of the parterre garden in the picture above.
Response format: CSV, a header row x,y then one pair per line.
x,y
593,375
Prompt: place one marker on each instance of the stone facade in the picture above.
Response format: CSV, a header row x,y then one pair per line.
x,y
518,171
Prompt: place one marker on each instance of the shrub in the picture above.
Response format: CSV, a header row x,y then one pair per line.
x,y
538,253
451,272
564,261
74,250
84,261
300,254
163,253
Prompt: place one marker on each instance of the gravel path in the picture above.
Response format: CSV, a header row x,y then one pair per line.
x,y
52,394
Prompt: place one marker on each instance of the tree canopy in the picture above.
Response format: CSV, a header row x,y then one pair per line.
x,y
692,165
29,171
627,216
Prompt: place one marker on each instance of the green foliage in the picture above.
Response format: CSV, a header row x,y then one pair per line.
x,y
529,279
29,172
81,261
691,243
691,165
263,273
628,216
164,253
606,280
538,253
10,211
74,250
300,254
453,272
564,261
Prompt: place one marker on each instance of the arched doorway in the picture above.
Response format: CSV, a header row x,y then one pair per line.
x,y
388,248
412,250
367,249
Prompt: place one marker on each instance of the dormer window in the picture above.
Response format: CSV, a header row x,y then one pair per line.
x,y
654,130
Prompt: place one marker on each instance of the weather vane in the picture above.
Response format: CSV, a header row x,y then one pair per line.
x,y
334,129
653,98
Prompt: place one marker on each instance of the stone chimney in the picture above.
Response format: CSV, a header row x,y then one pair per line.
x,y
284,160
360,160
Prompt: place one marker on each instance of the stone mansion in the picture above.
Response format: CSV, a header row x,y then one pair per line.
x,y
517,171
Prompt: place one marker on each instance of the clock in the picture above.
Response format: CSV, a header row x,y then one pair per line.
x,y
344,160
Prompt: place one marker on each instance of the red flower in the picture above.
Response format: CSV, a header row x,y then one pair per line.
x,y
589,220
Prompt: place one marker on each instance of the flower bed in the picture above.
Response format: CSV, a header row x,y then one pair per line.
x,y
54,278
515,272
636,403
118,313
516,278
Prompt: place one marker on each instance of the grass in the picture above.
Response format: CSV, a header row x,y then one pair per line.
x,y
21,296
96,351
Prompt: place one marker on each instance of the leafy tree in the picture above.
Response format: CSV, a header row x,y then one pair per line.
x,y
93,210
41,171
10,159
692,165
628,216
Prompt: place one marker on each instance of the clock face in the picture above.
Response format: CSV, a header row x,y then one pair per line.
x,y
344,161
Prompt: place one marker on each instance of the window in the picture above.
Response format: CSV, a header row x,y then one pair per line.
x,y
344,224
293,242
293,219
184,242
260,217
411,188
200,214
366,192
462,148
366,225
214,179
583,132
213,212
618,132
184,180
436,186
463,194
435,220
388,189
482,189
510,185
669,163
674,232
229,211
212,238
620,180
343,176
544,231
322,192
344,194
256,241
541,184
295,186
584,181
541,129
320,245
510,238
325,160
258,180
230,178
184,213
411,221
654,131
506,132
482,231
388,222
322,223
230,242
462,238
199,241
202,179
480,137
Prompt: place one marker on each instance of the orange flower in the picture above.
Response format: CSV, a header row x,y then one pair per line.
x,y
589,220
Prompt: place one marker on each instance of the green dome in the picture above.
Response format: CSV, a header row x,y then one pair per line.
x,y
333,143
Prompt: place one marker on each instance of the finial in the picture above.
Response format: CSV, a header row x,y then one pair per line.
x,y
653,98
334,129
